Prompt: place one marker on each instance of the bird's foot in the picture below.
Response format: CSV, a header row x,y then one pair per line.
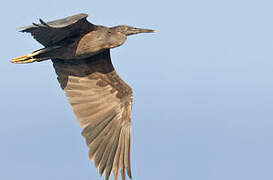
x,y
28,58
24,59
35,56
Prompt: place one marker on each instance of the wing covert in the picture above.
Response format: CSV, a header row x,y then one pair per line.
x,y
102,103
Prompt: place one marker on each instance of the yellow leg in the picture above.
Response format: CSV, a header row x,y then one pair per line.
x,y
28,58
22,59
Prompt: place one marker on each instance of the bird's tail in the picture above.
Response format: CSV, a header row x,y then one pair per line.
x,y
34,56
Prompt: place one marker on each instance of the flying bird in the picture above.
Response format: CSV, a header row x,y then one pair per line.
x,y
100,99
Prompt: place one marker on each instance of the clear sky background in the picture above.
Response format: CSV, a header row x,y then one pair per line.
x,y
203,91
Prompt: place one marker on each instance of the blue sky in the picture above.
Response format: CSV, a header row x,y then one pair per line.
x,y
203,91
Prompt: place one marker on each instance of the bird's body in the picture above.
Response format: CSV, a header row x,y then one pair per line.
x,y
101,100
74,38
80,47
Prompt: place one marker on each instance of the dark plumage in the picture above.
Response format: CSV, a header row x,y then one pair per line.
x,y
101,100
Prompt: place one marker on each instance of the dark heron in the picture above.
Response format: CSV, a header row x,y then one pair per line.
x,y
101,100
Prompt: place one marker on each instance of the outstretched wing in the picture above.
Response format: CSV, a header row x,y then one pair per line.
x,y
55,31
102,102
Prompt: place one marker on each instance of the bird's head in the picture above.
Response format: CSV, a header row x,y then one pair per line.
x,y
129,30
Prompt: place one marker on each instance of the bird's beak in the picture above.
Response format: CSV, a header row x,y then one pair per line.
x,y
132,31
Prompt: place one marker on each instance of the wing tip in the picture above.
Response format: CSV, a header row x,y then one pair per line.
x,y
28,28
22,29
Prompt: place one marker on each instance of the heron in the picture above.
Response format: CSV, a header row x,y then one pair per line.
x,y
100,99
